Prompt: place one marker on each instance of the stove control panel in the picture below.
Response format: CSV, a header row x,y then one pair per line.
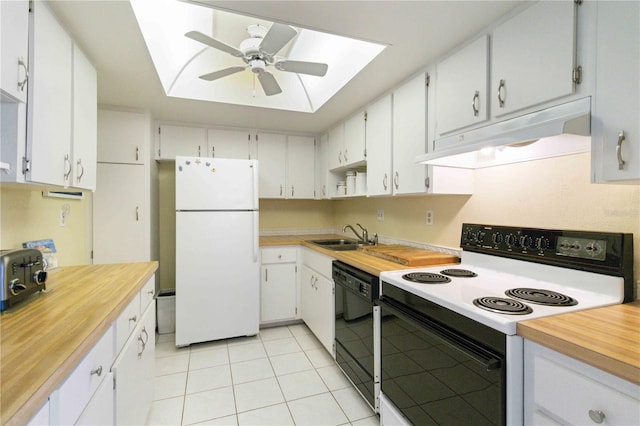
x,y
604,252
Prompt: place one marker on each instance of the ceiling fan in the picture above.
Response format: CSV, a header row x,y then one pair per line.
x,y
259,52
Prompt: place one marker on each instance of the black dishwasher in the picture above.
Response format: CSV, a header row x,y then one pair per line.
x,y
356,345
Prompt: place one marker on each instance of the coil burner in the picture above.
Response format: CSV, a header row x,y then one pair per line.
x,y
426,278
541,297
502,305
459,273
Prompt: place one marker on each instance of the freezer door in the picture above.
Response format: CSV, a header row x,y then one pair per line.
x,y
216,184
217,276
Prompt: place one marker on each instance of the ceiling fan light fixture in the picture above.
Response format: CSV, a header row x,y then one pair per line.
x,y
257,65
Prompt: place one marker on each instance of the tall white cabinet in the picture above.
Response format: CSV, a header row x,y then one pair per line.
x,y
122,200
286,166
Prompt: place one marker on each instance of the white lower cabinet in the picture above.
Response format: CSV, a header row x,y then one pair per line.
x,y
317,297
99,411
561,390
133,373
278,284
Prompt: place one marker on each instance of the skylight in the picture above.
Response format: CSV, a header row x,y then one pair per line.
x,y
180,60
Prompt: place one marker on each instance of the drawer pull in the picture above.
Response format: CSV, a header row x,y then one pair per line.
x,y
597,416
621,139
133,318
97,371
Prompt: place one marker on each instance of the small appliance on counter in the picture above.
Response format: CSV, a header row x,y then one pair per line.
x,y
22,273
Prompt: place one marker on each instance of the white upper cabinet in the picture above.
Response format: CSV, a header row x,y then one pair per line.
x,y
122,137
50,100
272,155
461,85
533,57
322,171
300,167
14,40
228,144
85,138
615,119
355,152
335,153
181,140
379,147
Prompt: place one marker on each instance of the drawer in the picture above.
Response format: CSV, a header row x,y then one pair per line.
x,y
126,322
570,395
318,262
147,294
74,394
284,254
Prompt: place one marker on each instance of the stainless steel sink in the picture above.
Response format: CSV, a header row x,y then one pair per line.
x,y
339,244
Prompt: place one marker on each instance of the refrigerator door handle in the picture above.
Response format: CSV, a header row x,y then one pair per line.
x,y
256,179
256,245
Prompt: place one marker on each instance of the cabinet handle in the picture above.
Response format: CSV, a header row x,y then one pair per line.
x,y
23,83
281,190
346,155
68,170
385,180
597,416
151,292
266,275
98,372
198,150
315,283
79,170
133,318
292,190
475,103
395,180
137,153
213,152
621,138
340,157
137,213
311,281
143,341
324,190
500,98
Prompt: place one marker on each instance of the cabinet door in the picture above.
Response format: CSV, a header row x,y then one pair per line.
x,y
181,140
462,96
134,372
379,147
118,217
322,170
99,411
14,30
354,139
278,292
49,105
617,97
228,144
317,304
409,136
85,103
122,136
533,56
272,157
300,167
335,157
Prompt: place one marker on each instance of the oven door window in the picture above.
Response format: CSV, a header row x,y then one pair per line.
x,y
433,379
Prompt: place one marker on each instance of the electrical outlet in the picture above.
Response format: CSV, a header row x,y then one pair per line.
x,y
429,217
381,215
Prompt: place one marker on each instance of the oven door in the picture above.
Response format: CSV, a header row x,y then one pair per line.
x,y
355,340
433,375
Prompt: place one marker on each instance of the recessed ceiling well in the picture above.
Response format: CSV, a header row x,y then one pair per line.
x,y
181,60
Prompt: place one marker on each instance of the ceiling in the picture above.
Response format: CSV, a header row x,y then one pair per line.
x,y
416,32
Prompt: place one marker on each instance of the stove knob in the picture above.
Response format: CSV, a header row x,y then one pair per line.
x,y
481,236
542,243
15,286
39,277
497,238
526,241
511,240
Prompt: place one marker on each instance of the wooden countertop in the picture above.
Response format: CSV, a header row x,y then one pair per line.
x,y
46,336
371,264
607,338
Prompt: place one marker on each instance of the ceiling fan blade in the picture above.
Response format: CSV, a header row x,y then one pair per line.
x,y
275,39
222,73
269,83
216,44
302,67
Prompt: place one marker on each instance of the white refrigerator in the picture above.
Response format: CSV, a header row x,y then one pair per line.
x,y
217,269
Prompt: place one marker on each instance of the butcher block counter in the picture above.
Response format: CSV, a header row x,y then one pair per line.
x,y
45,337
607,338
366,261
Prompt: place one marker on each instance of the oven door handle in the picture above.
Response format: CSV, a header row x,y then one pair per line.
x,y
479,355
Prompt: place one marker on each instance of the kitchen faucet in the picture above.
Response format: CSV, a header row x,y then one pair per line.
x,y
365,234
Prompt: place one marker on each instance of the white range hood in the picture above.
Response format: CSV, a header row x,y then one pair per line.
x,y
560,130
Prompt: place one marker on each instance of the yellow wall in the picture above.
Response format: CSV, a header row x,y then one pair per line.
x,y
26,215
553,193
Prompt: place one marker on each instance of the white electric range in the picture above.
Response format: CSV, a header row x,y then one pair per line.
x,y
465,316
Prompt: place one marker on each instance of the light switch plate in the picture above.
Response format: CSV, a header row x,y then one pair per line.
x,y
381,215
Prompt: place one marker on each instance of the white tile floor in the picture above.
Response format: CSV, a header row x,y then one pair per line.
x,y
283,376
